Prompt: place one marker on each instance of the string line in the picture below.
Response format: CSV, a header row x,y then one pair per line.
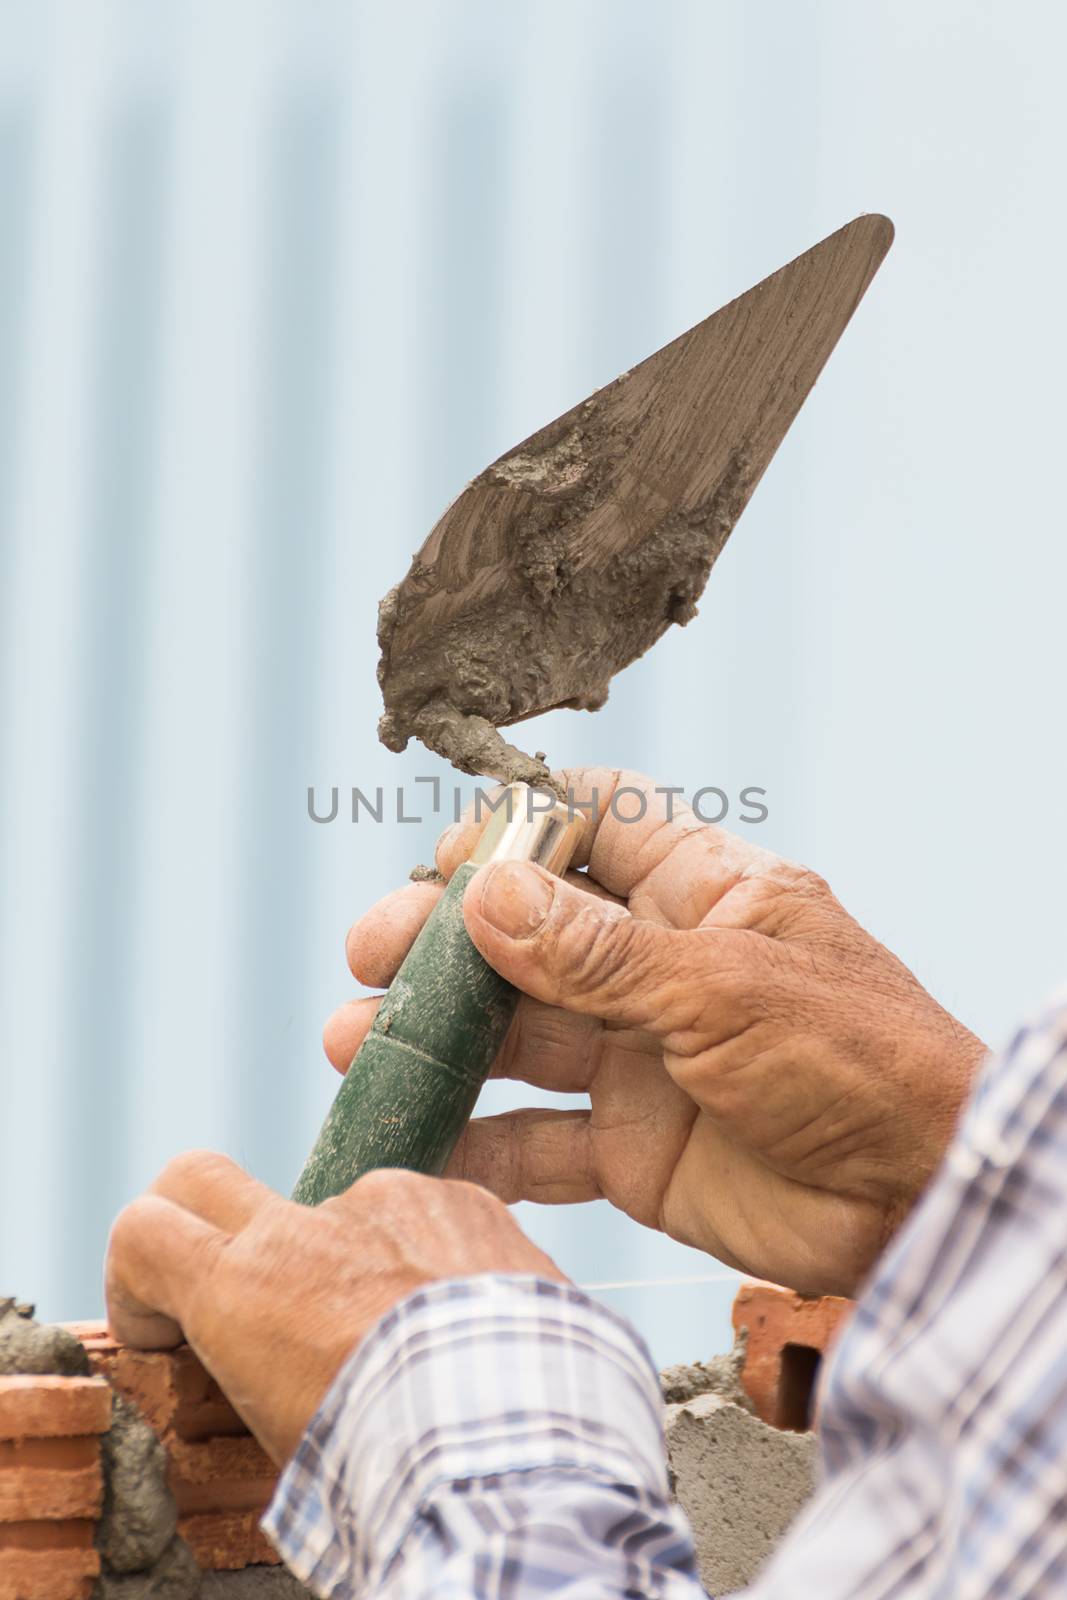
x,y
661,1283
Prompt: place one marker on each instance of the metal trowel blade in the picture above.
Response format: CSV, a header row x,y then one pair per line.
x,y
569,556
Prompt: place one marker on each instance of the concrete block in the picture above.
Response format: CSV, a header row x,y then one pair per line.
x,y
740,1482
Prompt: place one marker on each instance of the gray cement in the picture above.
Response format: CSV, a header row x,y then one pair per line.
x,y
35,1349
424,874
254,1583
140,1518
721,1375
739,1482
174,1576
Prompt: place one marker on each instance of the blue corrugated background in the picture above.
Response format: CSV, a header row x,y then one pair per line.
x,y
275,280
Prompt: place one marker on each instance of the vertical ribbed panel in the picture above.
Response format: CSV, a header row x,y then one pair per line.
x,y
274,282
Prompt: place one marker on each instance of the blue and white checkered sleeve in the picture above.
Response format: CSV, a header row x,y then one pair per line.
x,y
493,1436
943,1415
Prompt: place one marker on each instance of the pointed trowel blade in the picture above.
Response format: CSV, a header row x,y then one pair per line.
x,y
567,558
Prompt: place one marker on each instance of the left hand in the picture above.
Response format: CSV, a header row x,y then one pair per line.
x,y
273,1296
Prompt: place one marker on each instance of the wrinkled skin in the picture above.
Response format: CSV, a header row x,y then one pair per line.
x,y
761,1078
274,1296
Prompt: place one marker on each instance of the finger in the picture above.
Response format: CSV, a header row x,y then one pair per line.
x,y
641,842
213,1188
456,843
158,1255
545,1047
379,941
545,1156
552,1049
646,844
699,873
570,949
346,1030
582,880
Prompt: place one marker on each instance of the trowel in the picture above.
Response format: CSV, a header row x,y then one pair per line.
x,y
558,566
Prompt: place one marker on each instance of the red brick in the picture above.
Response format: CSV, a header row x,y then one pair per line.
x,y
73,1535
144,1377
48,1574
220,1475
221,1478
788,1334
217,1460
235,1494
170,1388
50,1479
47,1560
53,1408
225,1541
203,1411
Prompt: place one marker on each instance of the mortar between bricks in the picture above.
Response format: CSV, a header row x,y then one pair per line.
x,y
164,1501
221,1479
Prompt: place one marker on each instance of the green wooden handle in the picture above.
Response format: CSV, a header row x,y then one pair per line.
x,y
412,1087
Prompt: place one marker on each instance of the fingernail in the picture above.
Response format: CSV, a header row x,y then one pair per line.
x,y
515,899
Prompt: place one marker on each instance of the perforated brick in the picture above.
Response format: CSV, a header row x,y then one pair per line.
x,y
788,1335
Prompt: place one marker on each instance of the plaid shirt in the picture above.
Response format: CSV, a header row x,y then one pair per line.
x,y
501,1436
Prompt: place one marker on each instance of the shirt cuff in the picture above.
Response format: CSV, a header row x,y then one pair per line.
x,y
467,1379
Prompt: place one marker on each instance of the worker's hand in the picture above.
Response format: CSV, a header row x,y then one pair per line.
x,y
273,1296
764,1080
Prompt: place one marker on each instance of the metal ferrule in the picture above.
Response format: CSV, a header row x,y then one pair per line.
x,y
529,824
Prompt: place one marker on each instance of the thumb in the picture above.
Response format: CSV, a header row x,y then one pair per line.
x,y
572,949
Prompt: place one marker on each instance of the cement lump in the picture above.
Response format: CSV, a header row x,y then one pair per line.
x,y
140,1518
34,1349
721,1375
424,874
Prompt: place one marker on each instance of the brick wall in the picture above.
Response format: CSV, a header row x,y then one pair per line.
x,y
220,1477
51,1485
